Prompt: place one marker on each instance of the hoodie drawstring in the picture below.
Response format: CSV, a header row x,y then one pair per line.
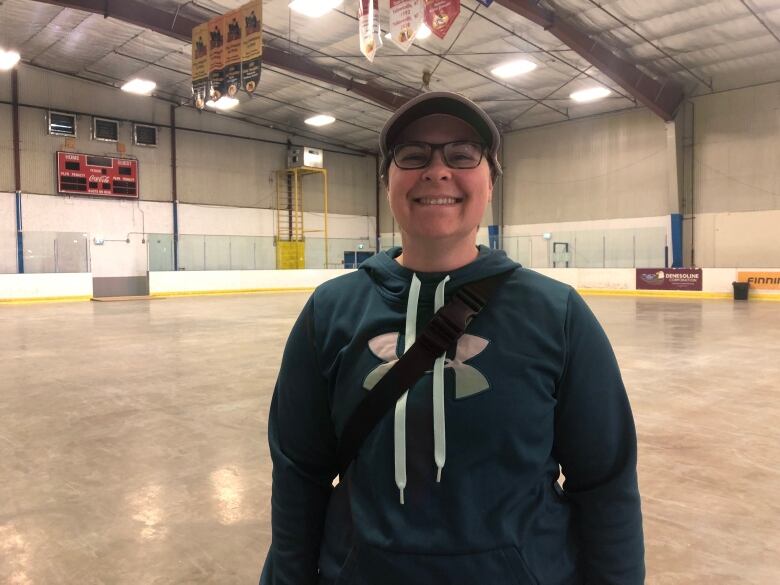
x,y
400,406
439,435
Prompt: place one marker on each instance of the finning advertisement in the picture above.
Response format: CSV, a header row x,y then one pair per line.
x,y
760,280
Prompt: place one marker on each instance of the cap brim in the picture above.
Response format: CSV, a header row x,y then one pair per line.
x,y
441,102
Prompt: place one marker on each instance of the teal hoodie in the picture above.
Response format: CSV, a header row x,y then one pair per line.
x,y
459,484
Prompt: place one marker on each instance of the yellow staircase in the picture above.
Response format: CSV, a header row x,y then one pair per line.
x,y
290,237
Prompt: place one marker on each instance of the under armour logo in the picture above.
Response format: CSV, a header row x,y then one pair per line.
x,y
468,380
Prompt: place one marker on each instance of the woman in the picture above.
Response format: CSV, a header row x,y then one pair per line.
x,y
457,486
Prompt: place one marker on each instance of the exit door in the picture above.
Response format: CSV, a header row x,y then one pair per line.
x,y
560,254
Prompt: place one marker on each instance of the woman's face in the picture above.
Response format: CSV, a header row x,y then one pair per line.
x,y
438,202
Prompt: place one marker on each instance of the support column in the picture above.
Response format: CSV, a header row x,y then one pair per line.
x,y
17,170
674,165
174,191
688,208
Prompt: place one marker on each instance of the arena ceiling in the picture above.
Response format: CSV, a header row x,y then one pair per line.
x,y
649,54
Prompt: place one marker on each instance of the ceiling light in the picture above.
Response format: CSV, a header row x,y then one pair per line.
x,y
8,59
423,32
321,120
223,103
589,95
139,86
513,68
314,8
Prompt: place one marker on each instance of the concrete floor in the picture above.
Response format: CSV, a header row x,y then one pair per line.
x,y
132,437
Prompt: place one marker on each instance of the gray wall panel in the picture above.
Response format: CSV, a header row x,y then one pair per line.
x,y
209,121
226,171
220,168
49,90
5,87
52,90
611,166
6,149
351,186
737,150
385,216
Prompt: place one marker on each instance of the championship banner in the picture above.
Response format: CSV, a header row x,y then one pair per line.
x,y
233,40
668,279
406,16
761,280
200,65
370,35
216,57
440,14
252,45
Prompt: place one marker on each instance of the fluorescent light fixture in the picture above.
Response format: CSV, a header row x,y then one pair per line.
x,y
139,86
223,103
423,32
314,8
513,68
8,59
321,120
590,95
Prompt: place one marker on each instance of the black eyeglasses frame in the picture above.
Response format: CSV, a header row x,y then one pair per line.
x,y
433,148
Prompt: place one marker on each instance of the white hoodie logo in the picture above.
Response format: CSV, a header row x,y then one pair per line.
x,y
468,380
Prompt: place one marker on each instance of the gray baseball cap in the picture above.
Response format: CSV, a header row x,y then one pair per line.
x,y
440,102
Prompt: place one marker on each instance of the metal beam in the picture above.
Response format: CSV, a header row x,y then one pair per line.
x,y
662,97
180,27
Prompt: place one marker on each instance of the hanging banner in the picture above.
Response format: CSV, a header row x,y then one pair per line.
x,y
440,14
406,16
252,45
200,65
233,42
370,35
216,57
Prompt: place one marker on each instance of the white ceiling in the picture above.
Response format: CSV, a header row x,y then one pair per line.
x,y
703,45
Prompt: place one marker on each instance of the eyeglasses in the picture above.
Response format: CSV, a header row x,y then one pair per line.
x,y
457,155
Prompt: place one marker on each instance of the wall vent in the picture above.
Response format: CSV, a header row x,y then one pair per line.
x,y
105,130
144,135
62,124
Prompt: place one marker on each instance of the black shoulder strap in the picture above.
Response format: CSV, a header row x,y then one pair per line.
x,y
444,329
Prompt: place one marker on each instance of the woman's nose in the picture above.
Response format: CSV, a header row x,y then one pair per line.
x,y
437,169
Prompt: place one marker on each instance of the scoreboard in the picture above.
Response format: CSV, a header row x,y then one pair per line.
x,y
103,176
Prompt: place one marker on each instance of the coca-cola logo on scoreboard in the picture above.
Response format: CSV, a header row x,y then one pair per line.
x,y
94,175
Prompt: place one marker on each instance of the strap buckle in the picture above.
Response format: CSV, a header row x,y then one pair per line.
x,y
450,322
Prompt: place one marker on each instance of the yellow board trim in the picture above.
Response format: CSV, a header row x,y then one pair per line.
x,y
31,300
582,291
764,297
671,294
668,294
243,291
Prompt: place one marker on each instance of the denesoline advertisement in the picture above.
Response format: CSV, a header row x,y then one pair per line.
x,y
669,279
